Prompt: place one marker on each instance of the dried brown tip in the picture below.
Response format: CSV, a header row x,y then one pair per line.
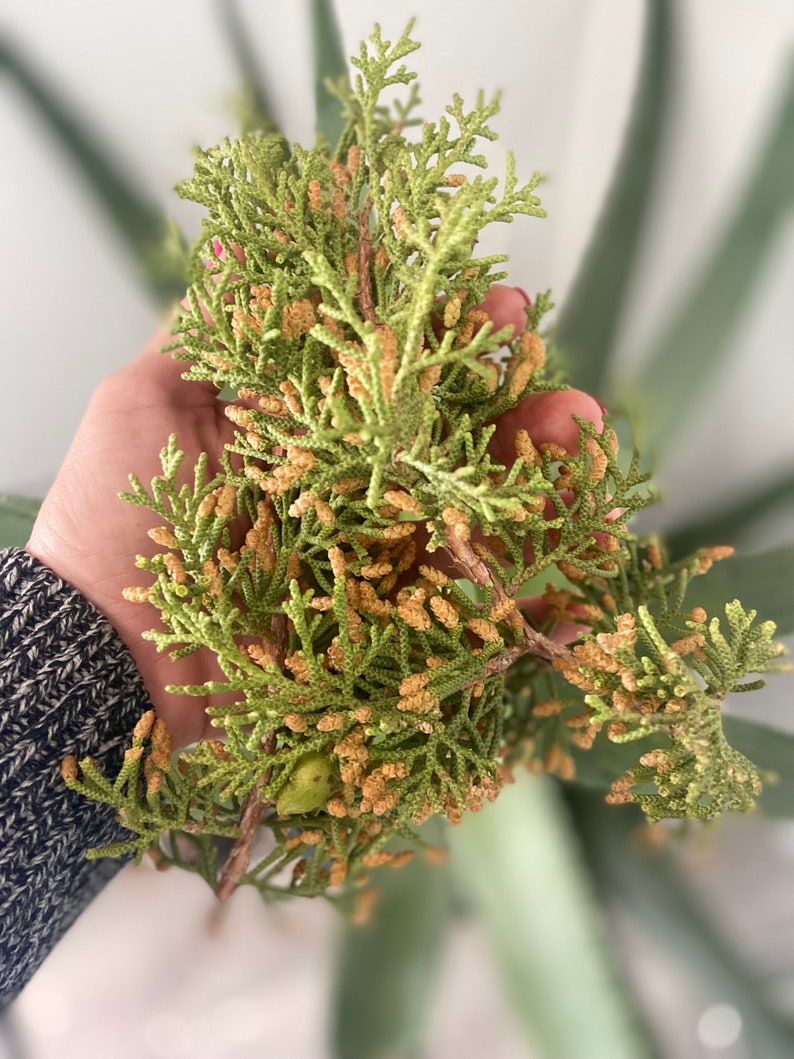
x,y
69,767
144,725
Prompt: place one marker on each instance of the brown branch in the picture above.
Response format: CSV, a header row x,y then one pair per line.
x,y
253,808
365,298
236,864
499,663
279,627
470,564
251,813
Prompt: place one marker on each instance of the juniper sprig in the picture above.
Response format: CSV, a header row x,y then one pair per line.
x,y
357,562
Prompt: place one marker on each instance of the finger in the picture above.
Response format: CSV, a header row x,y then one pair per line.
x,y
506,306
215,268
538,609
548,418
157,373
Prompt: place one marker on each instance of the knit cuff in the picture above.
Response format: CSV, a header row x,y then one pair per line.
x,y
67,685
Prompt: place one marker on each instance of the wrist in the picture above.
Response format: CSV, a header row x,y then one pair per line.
x,y
184,714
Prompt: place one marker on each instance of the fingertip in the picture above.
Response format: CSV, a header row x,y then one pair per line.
x,y
550,416
161,338
548,419
506,306
564,632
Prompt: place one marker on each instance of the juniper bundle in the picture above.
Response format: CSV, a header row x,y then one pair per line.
x,y
358,565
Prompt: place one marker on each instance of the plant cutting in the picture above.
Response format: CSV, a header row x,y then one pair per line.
x,y
412,562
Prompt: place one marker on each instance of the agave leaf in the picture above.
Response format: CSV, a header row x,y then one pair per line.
x,y
652,888
258,109
330,63
765,582
386,970
730,522
592,314
17,515
518,861
771,749
773,752
145,231
684,359
605,761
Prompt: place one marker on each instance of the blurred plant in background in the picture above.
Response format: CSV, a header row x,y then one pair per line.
x,y
543,864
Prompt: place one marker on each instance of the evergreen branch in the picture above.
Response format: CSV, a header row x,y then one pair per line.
x,y
337,293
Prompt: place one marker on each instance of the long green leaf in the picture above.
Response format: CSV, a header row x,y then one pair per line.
x,y
17,515
605,761
764,581
592,314
729,522
684,359
518,861
385,972
652,889
773,752
145,231
258,109
771,749
330,63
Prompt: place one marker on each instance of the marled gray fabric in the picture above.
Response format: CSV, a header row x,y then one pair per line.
x,y
67,685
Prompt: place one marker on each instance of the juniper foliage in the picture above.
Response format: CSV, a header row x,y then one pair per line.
x,y
355,564
652,673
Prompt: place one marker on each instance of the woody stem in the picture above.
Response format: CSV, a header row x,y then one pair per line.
x,y
253,808
534,642
365,298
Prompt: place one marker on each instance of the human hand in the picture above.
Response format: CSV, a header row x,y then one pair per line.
x,y
90,538
548,419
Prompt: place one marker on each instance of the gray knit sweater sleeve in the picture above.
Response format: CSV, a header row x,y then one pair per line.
x,y
67,685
